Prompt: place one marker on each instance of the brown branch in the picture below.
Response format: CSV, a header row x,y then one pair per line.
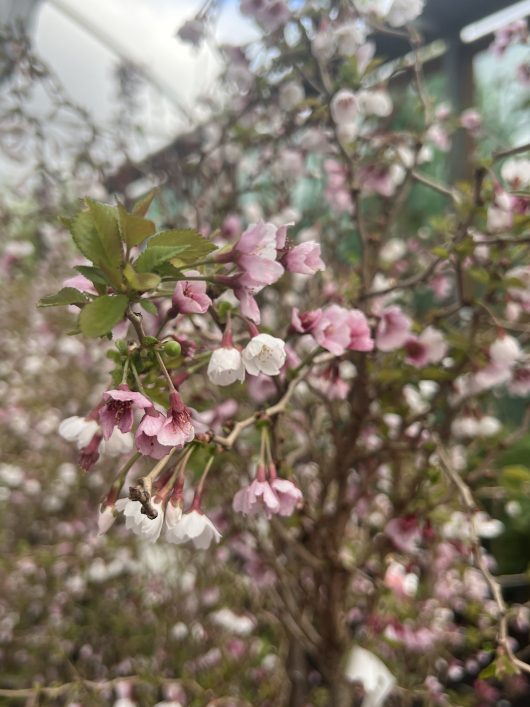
x,y
511,151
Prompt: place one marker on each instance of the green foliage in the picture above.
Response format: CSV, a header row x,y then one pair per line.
x,y
154,256
65,296
98,317
134,229
141,281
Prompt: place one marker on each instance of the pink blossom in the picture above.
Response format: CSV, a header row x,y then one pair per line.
x,y
247,304
337,193
339,329
305,322
331,384
520,383
471,120
146,435
304,259
177,428
400,581
255,497
190,296
81,283
270,14
438,136
331,330
405,533
360,336
117,410
231,226
511,34
393,329
429,347
440,284
378,179
288,495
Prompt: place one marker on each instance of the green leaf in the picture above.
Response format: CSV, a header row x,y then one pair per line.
x,y
87,239
134,229
489,671
67,295
86,236
153,256
440,251
515,477
93,274
106,222
197,247
142,205
141,281
99,316
148,306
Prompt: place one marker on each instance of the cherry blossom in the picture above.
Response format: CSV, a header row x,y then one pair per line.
x,y
118,407
264,354
190,296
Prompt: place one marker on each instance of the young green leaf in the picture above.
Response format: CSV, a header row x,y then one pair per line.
x,y
134,229
197,247
106,222
67,295
142,205
141,281
153,256
99,316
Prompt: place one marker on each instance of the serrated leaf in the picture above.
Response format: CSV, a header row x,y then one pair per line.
x,y
65,296
87,239
153,256
134,229
197,247
99,316
95,275
85,236
106,222
141,281
141,207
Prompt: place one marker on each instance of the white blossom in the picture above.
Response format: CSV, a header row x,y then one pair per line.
x,y
264,354
240,625
404,11
197,527
147,528
365,667
344,107
375,103
78,429
505,351
349,38
226,366
517,173
106,517
291,95
173,523
118,443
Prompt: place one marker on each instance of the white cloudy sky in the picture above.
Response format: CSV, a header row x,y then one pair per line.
x,y
83,41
